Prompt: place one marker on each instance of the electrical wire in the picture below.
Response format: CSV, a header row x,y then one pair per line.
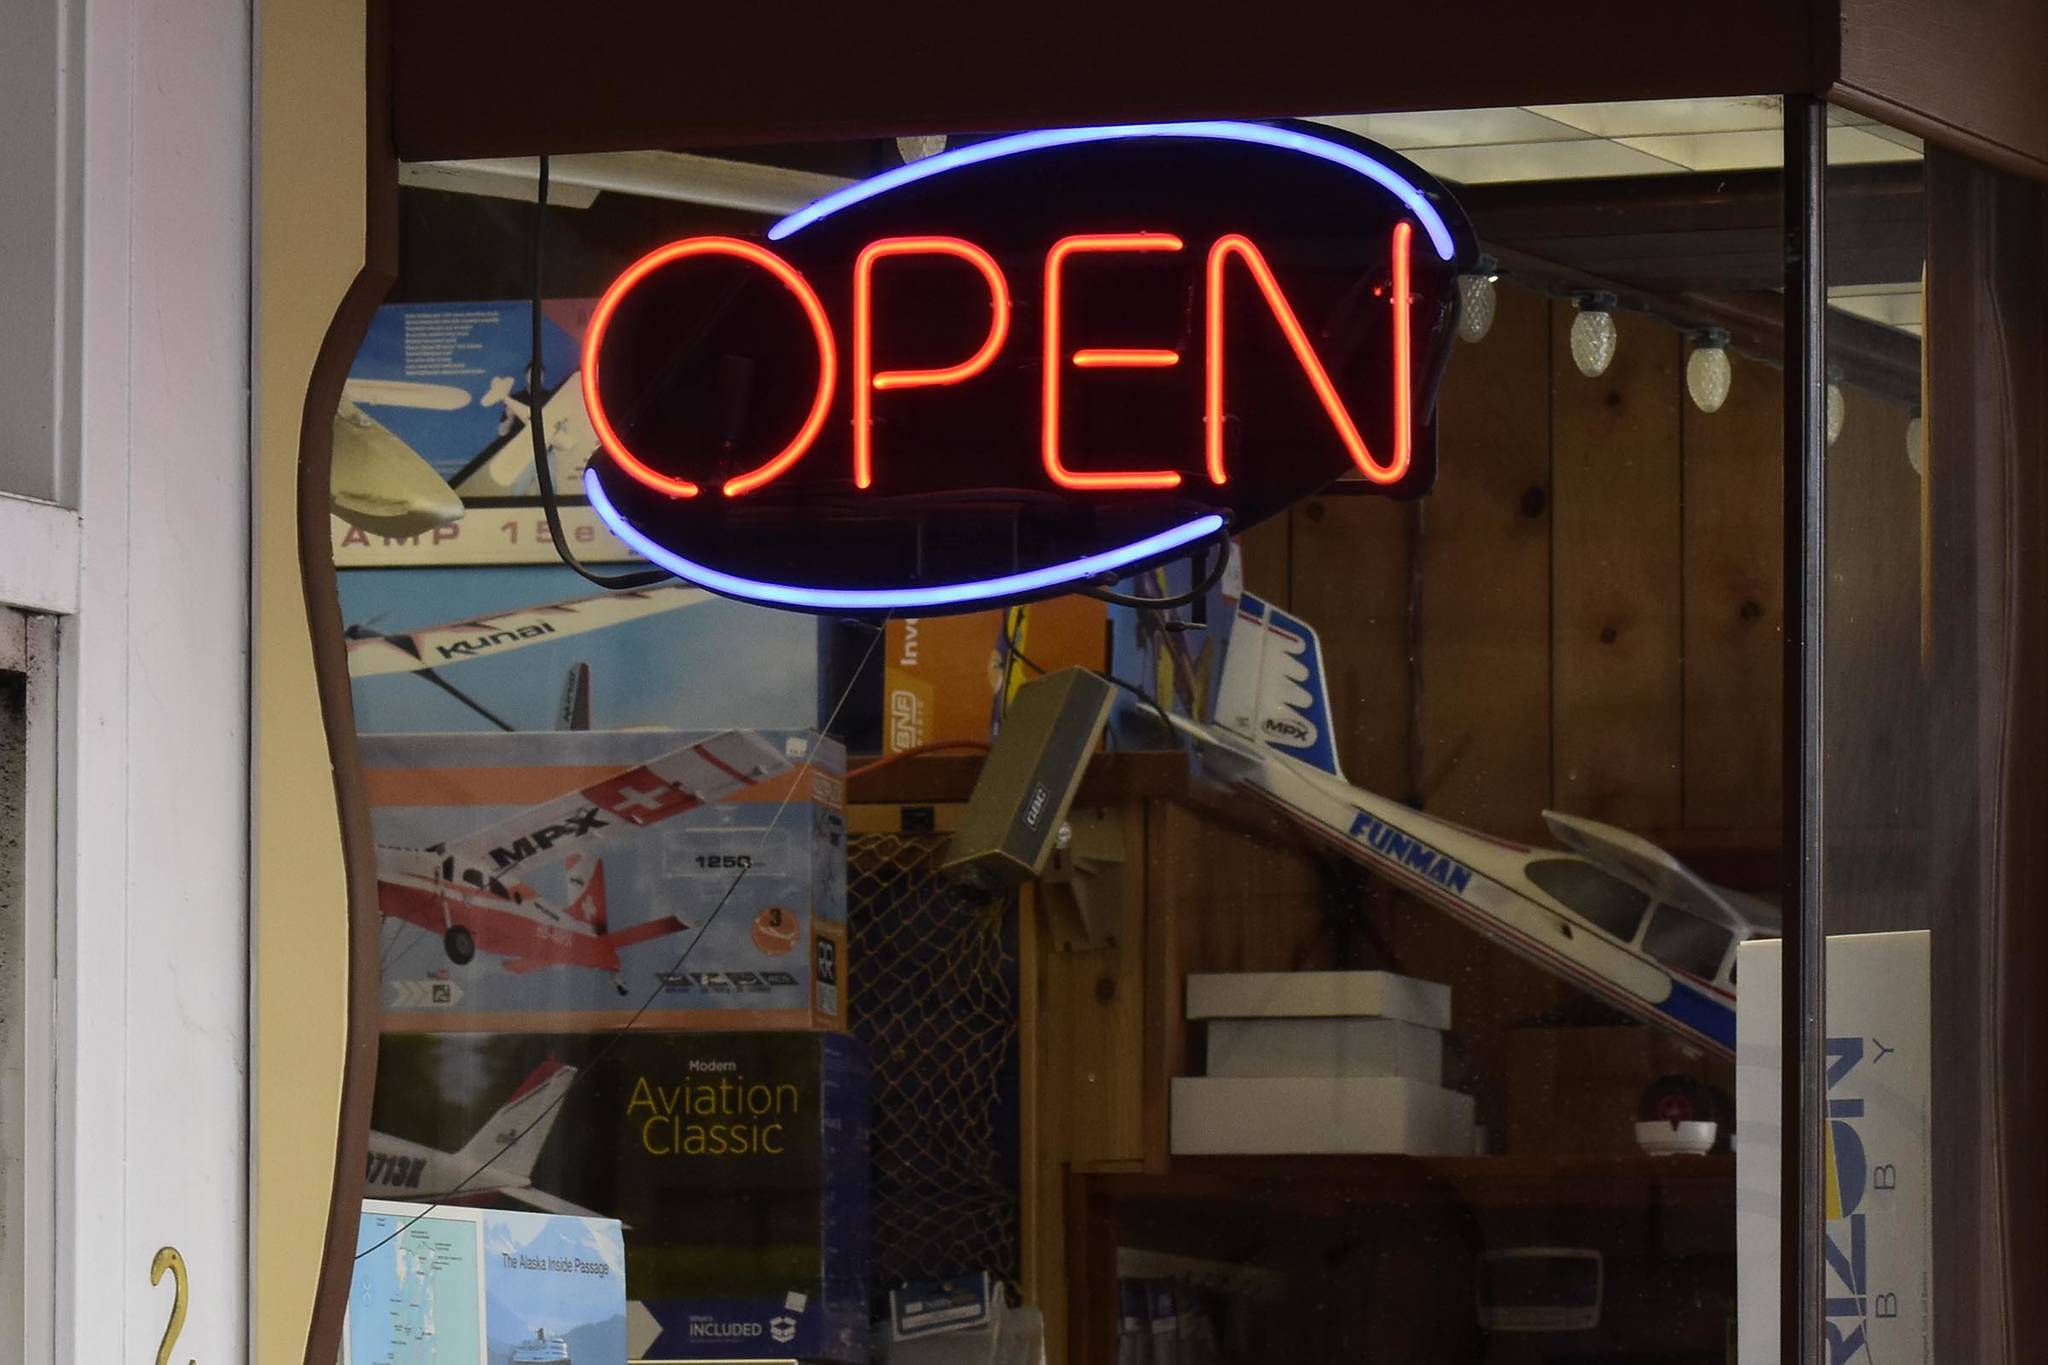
x,y
543,465
661,982
936,746
1210,579
1140,693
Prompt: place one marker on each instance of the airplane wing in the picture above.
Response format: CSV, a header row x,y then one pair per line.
x,y
505,467
376,655
381,484
405,393
1635,859
679,780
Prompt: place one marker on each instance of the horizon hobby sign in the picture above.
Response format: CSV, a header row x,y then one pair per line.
x,y
1026,365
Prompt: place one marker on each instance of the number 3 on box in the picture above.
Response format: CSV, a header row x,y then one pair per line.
x,y
167,1258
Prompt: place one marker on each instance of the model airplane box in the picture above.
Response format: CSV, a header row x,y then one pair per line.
x,y
947,678
737,1161
1877,1179
553,880
462,1286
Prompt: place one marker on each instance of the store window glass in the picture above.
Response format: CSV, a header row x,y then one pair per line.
x,y
1933,349
1387,1016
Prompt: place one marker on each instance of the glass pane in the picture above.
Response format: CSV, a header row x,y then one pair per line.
x,y
1598,896
1284,1047
1686,942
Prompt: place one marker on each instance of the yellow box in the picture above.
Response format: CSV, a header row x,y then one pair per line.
x,y
943,674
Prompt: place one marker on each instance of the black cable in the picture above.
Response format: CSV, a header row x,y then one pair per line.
x,y
1140,693
1179,599
543,467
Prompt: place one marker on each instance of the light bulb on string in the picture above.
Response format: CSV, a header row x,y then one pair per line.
x,y
1593,337
1707,372
1476,302
1916,444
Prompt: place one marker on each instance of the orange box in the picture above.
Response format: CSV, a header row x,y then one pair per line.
x,y
943,673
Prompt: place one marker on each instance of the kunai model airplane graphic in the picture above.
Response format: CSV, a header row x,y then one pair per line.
x,y
423,653
468,891
1614,915
373,654
496,1163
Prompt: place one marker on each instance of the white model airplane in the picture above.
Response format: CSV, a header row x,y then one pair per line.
x,y
373,653
377,481
504,469
496,1163
1613,914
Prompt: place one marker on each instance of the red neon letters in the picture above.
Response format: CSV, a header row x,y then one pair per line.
x,y
821,332
1340,417
1056,358
867,381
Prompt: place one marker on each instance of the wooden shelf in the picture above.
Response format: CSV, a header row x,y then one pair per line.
x,y
939,779
1330,1185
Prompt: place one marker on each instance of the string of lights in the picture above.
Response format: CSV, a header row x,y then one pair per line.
x,y
1594,339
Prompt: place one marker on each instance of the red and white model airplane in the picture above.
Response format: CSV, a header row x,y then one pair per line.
x,y
468,892
496,1163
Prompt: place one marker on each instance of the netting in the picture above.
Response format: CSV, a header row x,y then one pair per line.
x,y
933,995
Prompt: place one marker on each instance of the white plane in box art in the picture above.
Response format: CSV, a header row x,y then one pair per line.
x,y
496,1163
1613,913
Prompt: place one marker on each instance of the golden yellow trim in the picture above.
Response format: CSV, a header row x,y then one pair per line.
x,y
310,206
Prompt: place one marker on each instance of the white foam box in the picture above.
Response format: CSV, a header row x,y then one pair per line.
x,y
1318,995
1326,1047
1300,1115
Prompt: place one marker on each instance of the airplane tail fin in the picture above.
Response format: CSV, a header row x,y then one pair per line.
x,y
589,905
1274,690
575,711
511,1139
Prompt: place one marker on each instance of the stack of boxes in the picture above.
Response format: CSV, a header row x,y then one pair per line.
x,y
1320,1062
728,1126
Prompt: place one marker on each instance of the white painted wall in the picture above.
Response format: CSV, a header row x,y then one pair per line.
x,y
140,125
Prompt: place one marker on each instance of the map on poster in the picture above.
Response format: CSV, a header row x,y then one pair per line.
x,y
415,1300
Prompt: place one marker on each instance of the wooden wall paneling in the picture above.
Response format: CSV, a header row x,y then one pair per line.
x,y
1222,898
1045,1043
1878,733
1352,582
1734,543
1265,554
1484,635
1099,995
1616,587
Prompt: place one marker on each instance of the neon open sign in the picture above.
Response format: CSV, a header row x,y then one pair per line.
x,y
1025,364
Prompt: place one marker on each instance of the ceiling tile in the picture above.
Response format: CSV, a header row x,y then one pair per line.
x,y
1592,158
1452,128
1648,118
